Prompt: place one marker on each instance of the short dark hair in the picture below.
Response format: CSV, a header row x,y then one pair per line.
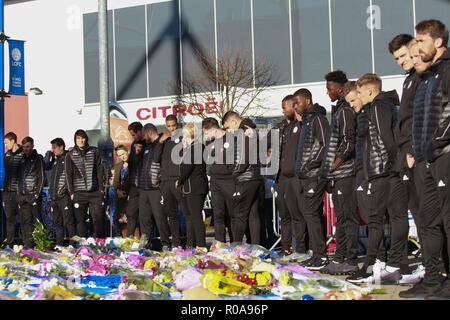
x,y
337,76
11,136
305,93
209,123
288,97
149,127
121,147
27,139
229,115
435,28
80,133
59,142
399,41
171,117
135,126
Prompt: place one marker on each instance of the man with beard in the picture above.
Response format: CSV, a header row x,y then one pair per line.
x,y
431,136
309,185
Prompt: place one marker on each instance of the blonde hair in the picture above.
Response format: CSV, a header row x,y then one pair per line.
x,y
349,86
189,129
369,78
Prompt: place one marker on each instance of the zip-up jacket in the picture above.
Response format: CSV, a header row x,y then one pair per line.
x,y
132,162
312,142
169,169
289,135
221,157
247,164
192,171
84,169
341,142
404,128
31,175
436,129
11,162
380,147
58,183
149,171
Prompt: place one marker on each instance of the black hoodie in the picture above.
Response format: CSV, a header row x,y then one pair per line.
x,y
11,162
312,142
381,149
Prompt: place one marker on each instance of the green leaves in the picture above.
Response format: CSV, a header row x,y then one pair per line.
x,y
41,236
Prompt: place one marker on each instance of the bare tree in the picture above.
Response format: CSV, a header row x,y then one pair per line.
x,y
230,81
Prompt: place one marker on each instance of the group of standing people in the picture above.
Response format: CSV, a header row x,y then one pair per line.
x,y
380,155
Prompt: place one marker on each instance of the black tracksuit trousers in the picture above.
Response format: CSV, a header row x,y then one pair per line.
x,y
223,206
247,196
291,218
132,210
63,218
151,209
347,221
310,195
30,209
171,198
192,207
11,207
82,200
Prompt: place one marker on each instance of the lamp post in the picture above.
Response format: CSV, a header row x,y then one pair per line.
x,y
2,91
105,143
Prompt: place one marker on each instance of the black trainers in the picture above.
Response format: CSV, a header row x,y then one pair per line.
x,y
441,294
316,263
360,276
420,290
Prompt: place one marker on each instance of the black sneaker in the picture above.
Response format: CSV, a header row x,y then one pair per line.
x,y
360,276
441,294
316,263
420,290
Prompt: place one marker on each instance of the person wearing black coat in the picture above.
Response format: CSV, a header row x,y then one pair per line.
x,y
31,181
148,172
61,205
12,158
84,172
338,167
249,185
193,185
310,185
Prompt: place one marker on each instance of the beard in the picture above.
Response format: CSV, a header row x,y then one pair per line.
x,y
428,57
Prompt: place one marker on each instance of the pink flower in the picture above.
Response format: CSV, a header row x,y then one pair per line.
x,y
101,241
137,261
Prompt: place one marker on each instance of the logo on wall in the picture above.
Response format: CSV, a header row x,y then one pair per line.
x,y
16,54
16,67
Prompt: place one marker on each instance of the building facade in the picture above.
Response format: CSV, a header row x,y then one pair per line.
x,y
149,50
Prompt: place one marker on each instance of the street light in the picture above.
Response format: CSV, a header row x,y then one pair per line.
x,y
36,91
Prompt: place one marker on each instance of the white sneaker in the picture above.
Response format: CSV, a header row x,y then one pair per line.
x,y
414,277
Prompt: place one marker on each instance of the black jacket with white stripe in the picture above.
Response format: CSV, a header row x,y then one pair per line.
x,y
312,142
31,175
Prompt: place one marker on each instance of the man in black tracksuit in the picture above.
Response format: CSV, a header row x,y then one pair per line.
x,y
31,181
13,157
249,186
150,207
310,187
84,172
135,129
285,180
338,167
61,205
221,161
379,152
171,196
431,143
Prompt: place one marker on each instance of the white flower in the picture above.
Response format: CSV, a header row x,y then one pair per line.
x,y
17,249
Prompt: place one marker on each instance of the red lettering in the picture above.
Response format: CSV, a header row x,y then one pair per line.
x,y
195,106
179,108
164,110
154,112
140,116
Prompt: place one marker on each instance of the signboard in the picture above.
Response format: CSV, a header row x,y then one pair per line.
x,y
16,67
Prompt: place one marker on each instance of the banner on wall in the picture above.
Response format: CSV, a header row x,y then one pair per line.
x,y
16,67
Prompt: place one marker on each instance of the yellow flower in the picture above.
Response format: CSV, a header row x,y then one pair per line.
x,y
285,278
150,264
60,291
216,283
263,279
3,270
